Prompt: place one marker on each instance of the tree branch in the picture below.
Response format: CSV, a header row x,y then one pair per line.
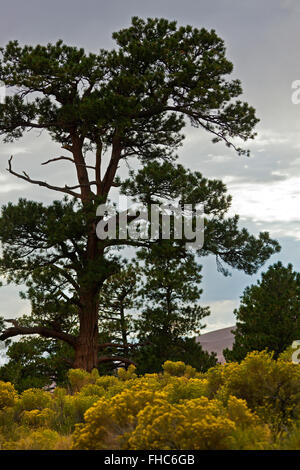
x,y
109,176
98,167
41,183
82,173
116,358
123,346
57,159
69,159
36,330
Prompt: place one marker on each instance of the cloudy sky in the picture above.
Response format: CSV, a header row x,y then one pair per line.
x,y
262,40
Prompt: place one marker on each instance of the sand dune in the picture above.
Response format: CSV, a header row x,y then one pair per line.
x,y
216,341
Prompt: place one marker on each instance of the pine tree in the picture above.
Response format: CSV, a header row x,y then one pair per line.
x,y
125,105
172,316
118,303
36,362
269,314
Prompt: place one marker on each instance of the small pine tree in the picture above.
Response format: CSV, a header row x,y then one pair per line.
x,y
172,315
118,298
269,314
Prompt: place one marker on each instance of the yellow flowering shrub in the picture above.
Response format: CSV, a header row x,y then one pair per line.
x,y
271,388
7,417
199,424
290,440
287,354
179,369
251,432
150,421
70,409
108,381
78,404
38,418
8,394
92,390
184,389
78,378
43,439
195,424
128,374
251,405
34,399
109,419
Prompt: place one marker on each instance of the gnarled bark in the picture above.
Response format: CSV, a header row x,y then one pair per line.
x,y
87,342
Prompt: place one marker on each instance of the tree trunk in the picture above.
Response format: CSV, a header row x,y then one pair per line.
x,y
87,343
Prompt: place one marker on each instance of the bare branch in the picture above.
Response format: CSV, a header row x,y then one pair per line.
x,y
81,185
41,183
57,159
68,159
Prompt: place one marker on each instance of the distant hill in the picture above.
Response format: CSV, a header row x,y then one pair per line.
x,y
216,341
